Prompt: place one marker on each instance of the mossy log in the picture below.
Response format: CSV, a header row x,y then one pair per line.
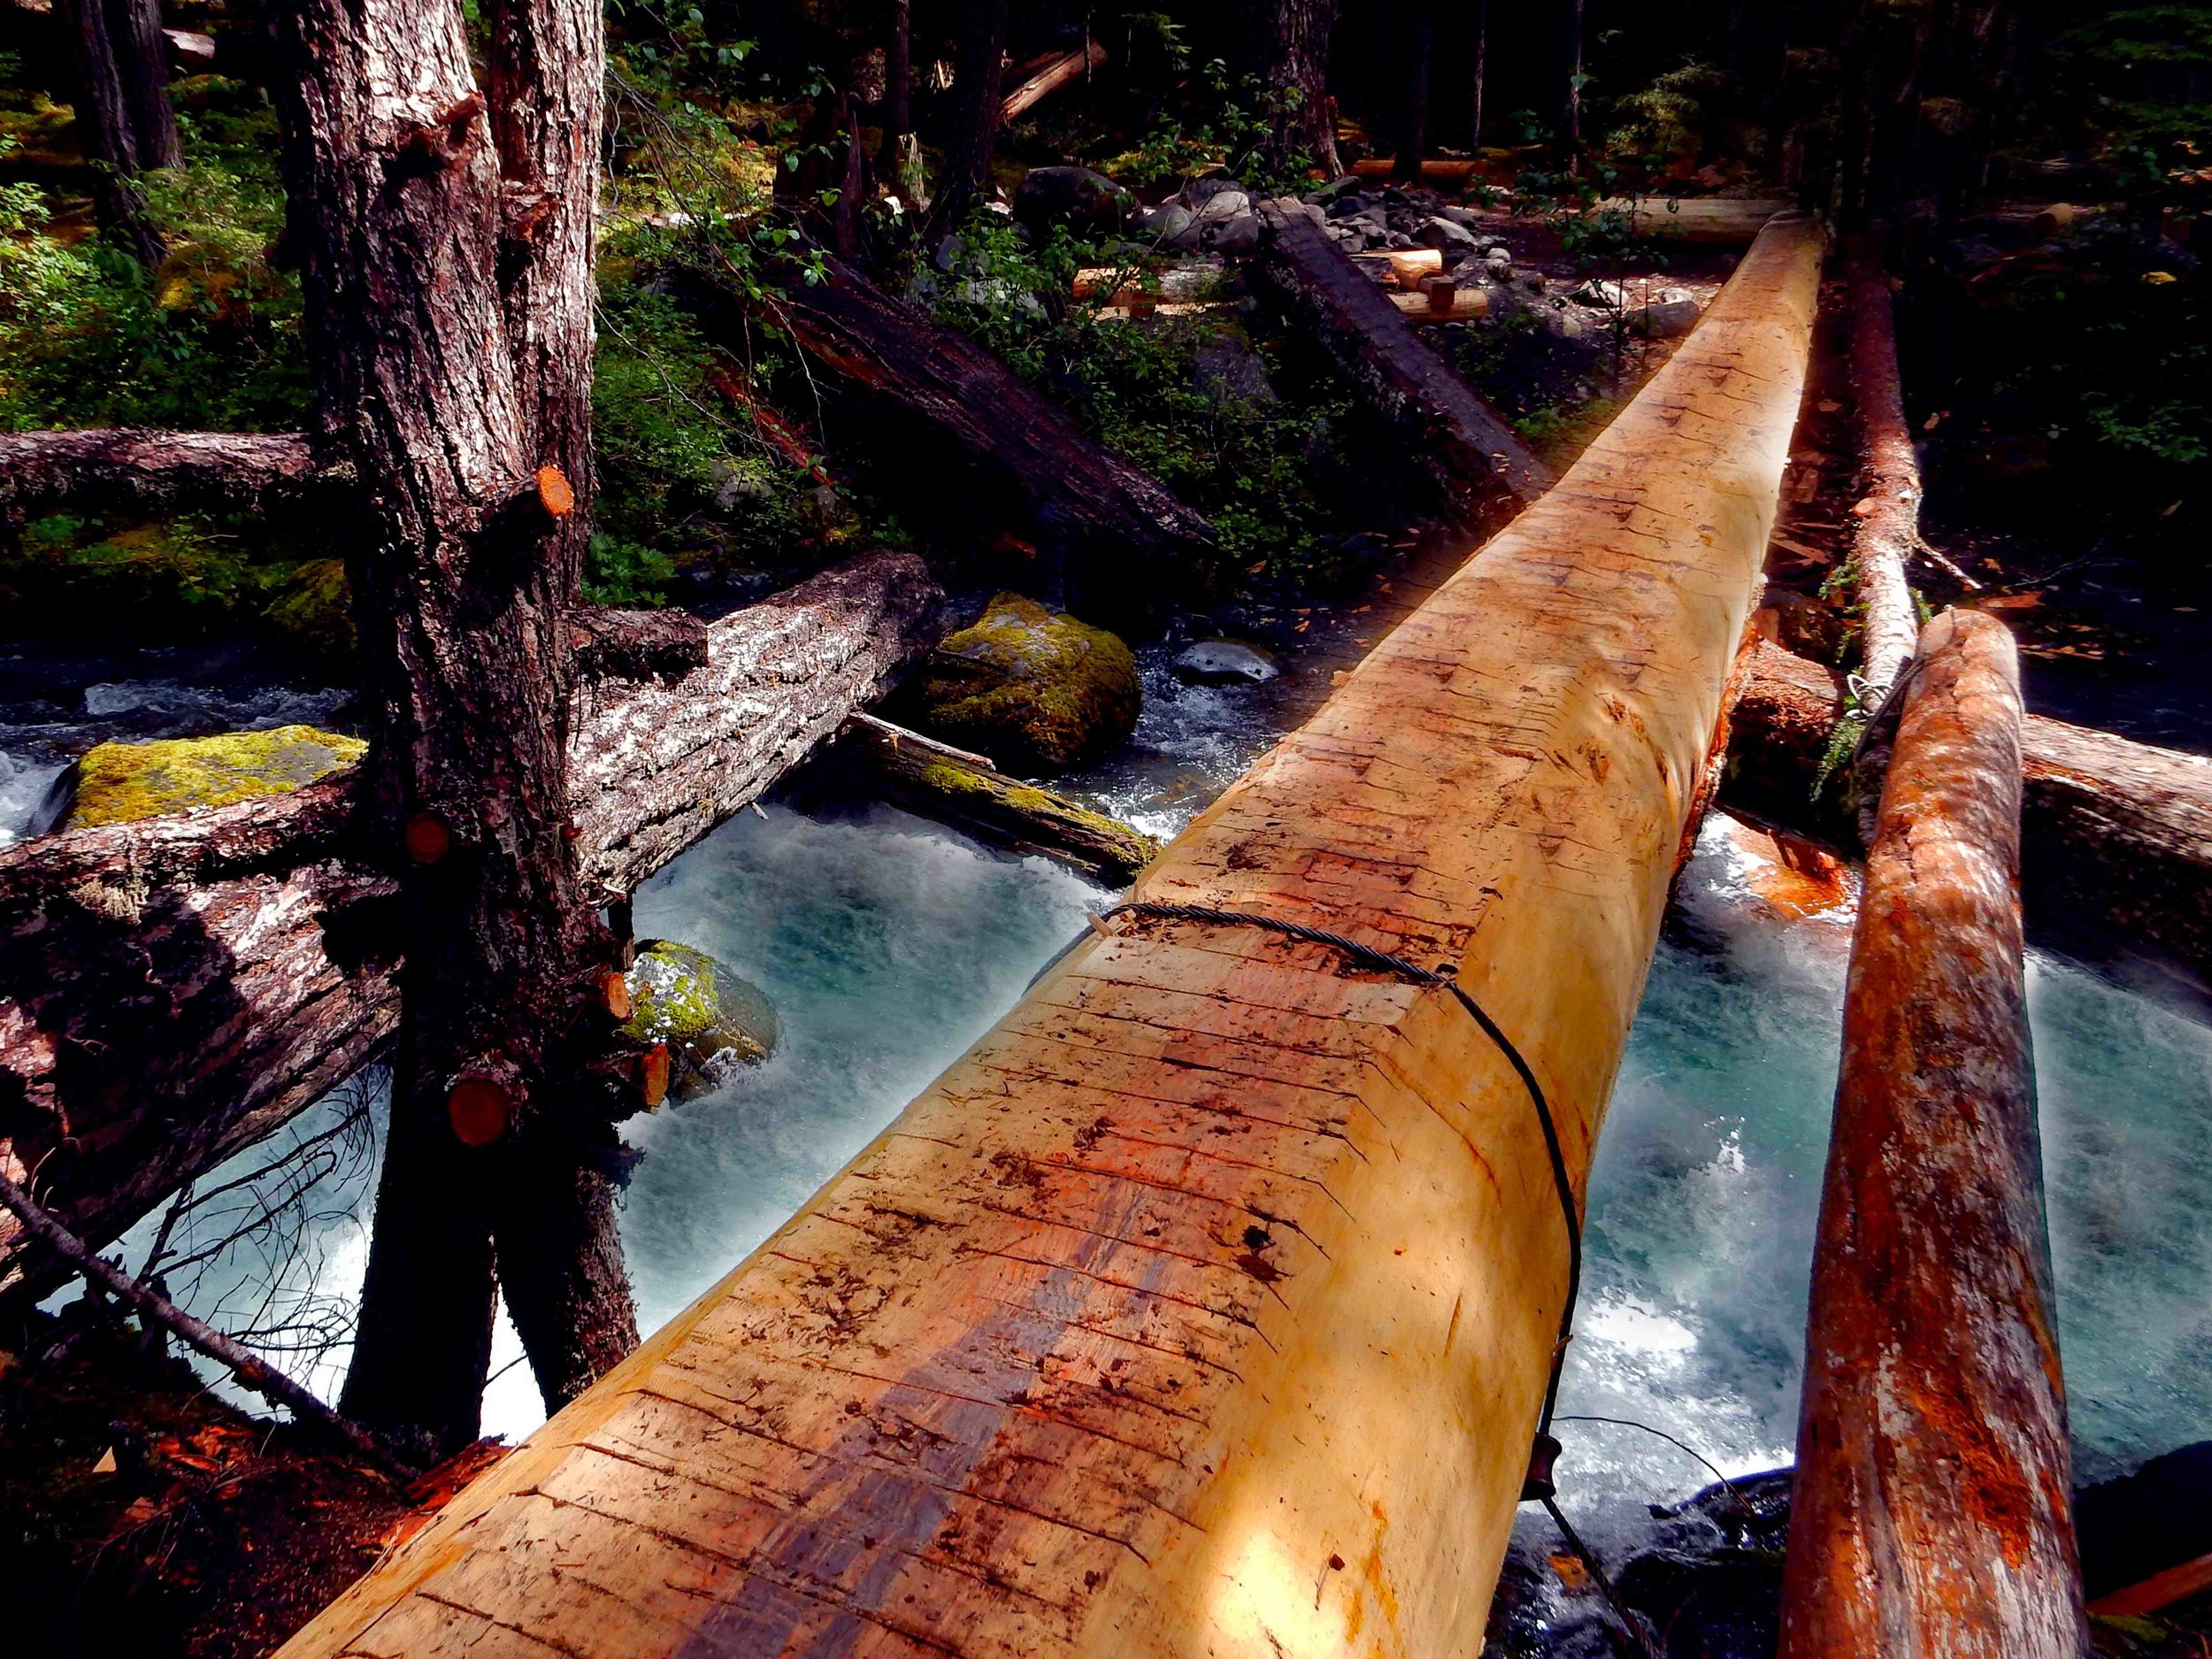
x,y
2116,835
966,448
1483,472
1932,1510
1206,1306
1003,812
173,989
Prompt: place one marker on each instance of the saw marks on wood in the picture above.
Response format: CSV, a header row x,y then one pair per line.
x,y
1205,1306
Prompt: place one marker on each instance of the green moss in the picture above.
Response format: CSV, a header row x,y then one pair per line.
x,y
711,1020
313,609
119,783
1034,690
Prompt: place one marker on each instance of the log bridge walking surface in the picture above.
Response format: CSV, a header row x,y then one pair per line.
x,y
1206,1305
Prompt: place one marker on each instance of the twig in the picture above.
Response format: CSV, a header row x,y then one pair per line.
x,y
270,1384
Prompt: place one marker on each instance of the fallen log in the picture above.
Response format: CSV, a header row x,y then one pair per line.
x,y
931,781
1226,1260
1887,514
146,471
1932,1510
1485,472
173,990
2116,835
1048,80
966,447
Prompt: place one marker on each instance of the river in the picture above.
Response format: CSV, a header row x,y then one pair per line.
x,y
889,944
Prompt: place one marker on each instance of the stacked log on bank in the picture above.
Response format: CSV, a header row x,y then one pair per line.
x,y
2117,834
1206,1304
171,991
1483,471
966,447
1931,1509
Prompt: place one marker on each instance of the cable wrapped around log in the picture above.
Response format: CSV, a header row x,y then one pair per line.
x,y
1932,1510
173,990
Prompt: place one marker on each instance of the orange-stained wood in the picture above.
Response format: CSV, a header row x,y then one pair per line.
x,y
1215,1262
653,1075
555,493
480,1110
1933,1511
614,988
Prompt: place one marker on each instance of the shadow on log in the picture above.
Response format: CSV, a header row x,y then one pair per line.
x,y
173,990
963,445
1483,471
1931,1511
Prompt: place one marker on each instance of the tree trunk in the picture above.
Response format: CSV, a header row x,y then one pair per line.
x,y
898,87
1574,82
922,406
978,51
105,130
143,57
1483,471
171,990
1479,22
1291,60
1418,32
447,322
1932,1510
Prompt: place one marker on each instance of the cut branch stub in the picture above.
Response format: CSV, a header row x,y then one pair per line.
x,y
614,990
429,838
480,1109
653,1075
555,493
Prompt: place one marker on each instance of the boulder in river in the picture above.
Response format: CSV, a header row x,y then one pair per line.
x,y
1226,663
1035,691
120,783
712,1020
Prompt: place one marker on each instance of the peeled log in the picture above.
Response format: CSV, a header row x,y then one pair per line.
x,y
2116,835
173,990
1485,472
1206,1305
1932,1509
1050,79
964,444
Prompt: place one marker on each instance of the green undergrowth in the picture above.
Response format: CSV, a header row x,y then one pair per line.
x,y
1271,471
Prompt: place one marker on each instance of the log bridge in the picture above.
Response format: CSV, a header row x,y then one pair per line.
x,y
1206,1304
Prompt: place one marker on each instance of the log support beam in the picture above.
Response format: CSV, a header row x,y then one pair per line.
x,y
1932,1510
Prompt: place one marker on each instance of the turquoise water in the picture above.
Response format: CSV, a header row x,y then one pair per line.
x,y
888,945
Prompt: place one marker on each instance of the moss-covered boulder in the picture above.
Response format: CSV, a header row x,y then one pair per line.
x,y
711,1020
1036,691
117,783
313,609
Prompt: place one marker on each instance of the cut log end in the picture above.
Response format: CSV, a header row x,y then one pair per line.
x,y
427,837
480,1110
555,493
653,1068
614,993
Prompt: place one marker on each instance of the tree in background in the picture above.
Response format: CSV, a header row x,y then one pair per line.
x,y
1290,46
125,124
979,53
1415,34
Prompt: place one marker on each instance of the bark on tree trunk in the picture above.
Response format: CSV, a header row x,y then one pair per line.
x,y
1291,59
1417,26
443,321
1932,1510
1483,470
979,49
105,131
143,55
173,990
1091,533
